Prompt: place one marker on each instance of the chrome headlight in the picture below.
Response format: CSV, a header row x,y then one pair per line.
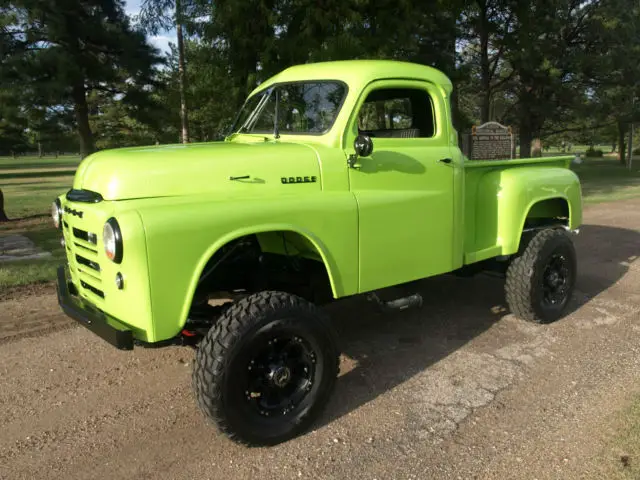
x,y
56,213
112,239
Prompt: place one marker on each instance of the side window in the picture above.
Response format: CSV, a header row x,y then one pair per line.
x,y
397,113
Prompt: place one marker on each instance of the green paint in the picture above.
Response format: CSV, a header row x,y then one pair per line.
x,y
401,215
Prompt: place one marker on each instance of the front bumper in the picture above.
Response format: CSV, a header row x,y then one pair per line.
x,y
103,325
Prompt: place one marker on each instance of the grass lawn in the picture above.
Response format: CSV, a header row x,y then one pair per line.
x,y
8,163
30,184
556,150
620,458
40,230
605,180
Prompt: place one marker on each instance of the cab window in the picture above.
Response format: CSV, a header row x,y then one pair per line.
x,y
397,113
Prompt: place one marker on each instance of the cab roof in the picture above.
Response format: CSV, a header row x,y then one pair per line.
x,y
358,73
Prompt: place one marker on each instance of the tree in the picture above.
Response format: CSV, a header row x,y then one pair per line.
x,y
485,28
157,15
246,41
548,48
120,124
211,91
3,214
13,124
63,50
616,70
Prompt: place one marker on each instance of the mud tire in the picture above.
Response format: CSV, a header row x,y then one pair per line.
x,y
526,276
222,358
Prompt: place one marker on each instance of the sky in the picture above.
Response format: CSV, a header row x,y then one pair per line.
x,y
132,7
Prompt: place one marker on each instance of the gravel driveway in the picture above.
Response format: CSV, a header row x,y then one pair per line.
x,y
457,389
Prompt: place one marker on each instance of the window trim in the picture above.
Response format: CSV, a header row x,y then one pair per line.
x,y
295,82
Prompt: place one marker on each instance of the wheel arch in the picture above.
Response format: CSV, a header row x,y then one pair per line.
x,y
312,239
545,211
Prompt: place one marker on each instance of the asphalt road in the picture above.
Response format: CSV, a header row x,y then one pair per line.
x,y
457,389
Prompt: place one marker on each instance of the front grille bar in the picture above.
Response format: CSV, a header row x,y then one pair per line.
x,y
92,289
86,236
87,263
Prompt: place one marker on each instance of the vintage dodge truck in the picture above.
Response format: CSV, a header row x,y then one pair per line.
x,y
337,179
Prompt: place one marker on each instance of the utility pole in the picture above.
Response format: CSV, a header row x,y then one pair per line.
x,y
633,110
630,152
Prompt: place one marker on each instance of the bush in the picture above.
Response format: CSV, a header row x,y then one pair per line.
x,y
593,152
636,151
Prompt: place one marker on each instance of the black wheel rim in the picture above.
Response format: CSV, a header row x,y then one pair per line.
x,y
556,280
279,374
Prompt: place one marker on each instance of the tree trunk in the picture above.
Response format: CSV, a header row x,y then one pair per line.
x,y
526,137
39,149
485,68
622,150
526,130
630,151
87,145
182,72
3,215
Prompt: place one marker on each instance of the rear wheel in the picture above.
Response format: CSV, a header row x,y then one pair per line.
x,y
266,369
541,280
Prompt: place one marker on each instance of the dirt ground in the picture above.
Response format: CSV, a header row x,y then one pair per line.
x,y
458,389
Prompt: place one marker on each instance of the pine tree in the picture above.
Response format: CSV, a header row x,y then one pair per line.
x,y
157,15
63,49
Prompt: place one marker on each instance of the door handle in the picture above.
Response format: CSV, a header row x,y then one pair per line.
x,y
446,160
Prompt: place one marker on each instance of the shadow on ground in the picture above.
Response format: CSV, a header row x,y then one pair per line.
x,y
388,349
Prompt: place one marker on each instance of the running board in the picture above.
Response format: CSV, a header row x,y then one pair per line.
x,y
398,304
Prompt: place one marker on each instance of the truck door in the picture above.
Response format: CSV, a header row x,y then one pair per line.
x,y
405,188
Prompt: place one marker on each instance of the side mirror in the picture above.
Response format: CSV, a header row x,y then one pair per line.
x,y
363,145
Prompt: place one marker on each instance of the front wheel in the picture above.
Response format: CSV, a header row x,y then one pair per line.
x,y
540,281
266,369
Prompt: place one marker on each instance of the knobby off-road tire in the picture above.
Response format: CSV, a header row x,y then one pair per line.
x,y
268,346
541,279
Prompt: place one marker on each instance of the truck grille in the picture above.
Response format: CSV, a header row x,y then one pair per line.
x,y
82,253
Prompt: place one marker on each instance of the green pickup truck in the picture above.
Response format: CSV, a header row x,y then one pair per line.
x,y
337,179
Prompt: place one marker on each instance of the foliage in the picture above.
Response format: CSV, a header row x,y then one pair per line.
x,y
55,52
594,152
561,70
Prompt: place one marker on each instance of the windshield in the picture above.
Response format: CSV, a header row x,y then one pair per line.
x,y
309,107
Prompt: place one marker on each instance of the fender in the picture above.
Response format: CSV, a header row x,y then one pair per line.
x,y
327,259
327,220
505,199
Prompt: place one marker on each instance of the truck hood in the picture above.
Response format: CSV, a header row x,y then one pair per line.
x,y
176,170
